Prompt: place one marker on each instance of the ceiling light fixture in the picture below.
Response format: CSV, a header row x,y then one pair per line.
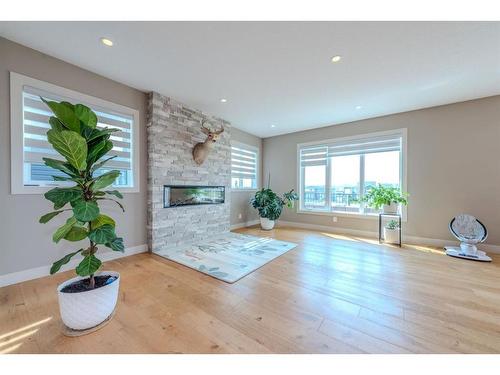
x,y
223,100
273,126
336,58
358,107
107,42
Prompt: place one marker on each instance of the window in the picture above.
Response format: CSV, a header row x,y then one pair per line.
x,y
244,166
29,125
334,175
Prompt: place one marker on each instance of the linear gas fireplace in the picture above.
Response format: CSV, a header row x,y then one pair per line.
x,y
176,195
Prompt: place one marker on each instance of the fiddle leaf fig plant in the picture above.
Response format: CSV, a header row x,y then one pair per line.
x,y
74,135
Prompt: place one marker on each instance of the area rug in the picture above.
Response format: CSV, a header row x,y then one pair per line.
x,y
230,256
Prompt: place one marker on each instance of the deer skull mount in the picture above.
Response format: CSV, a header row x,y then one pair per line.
x,y
202,149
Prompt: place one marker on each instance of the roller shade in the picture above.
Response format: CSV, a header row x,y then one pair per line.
x,y
313,155
365,146
35,145
318,154
243,162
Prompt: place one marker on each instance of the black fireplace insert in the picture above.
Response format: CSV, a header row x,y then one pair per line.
x,y
190,195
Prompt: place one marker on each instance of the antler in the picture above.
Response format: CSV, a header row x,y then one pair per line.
x,y
219,131
206,130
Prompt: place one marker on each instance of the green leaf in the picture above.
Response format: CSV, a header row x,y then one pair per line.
x,y
98,150
62,166
47,217
89,133
105,179
85,210
70,145
86,115
116,244
61,196
77,233
101,163
56,124
102,220
98,133
64,112
116,193
62,231
103,234
88,266
57,265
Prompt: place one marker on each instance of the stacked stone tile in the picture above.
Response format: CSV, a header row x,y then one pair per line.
x,y
173,129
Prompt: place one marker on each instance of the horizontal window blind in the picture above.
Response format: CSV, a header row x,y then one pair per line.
x,y
365,146
243,163
318,154
35,126
313,155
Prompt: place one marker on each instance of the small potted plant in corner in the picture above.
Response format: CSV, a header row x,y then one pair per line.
x,y
391,232
89,299
387,198
270,205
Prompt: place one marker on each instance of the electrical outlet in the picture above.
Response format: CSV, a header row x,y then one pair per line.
x,y
334,218
240,216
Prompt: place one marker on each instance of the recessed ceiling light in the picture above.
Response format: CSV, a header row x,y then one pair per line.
x,y
358,107
273,126
223,100
107,42
336,58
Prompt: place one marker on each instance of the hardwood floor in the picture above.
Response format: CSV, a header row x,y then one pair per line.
x,y
331,294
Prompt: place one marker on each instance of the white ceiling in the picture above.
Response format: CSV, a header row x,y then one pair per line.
x,y
280,72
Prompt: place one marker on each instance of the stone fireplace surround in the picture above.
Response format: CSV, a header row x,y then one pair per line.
x,y
172,130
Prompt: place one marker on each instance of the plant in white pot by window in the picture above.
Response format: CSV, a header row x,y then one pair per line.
x,y
89,299
270,205
391,232
387,198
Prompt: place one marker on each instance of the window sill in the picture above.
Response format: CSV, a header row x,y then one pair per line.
x,y
234,190
353,215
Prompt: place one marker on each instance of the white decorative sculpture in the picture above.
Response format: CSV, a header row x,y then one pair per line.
x,y
469,231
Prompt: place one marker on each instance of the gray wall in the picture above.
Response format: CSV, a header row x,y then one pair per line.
x,y
24,242
173,128
240,199
453,166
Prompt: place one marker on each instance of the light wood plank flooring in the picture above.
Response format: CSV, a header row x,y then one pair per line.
x,y
331,294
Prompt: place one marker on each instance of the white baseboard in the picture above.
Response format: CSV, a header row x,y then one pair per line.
x,y
245,224
35,273
408,239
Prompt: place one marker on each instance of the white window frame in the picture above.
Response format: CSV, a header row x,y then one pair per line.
x,y
17,82
257,166
403,132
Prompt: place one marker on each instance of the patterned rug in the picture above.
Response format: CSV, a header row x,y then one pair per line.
x,y
230,256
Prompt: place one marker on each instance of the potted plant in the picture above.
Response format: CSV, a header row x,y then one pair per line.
x,y
89,299
391,232
270,205
387,198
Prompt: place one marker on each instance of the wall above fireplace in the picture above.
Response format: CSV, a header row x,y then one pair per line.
x,y
173,129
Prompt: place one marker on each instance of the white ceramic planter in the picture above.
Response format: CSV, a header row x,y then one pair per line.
x,y
391,208
266,224
391,235
88,309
